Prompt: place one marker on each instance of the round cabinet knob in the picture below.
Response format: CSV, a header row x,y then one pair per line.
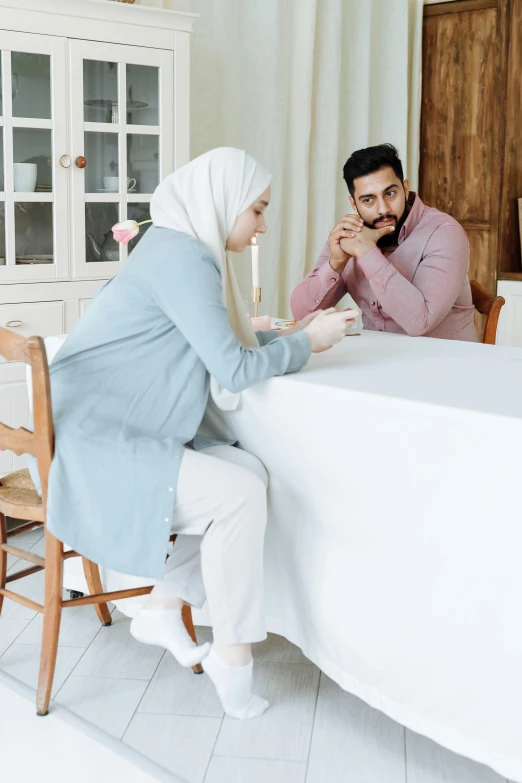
x,y
81,162
65,161
14,324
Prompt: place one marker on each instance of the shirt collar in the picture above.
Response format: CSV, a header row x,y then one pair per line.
x,y
416,210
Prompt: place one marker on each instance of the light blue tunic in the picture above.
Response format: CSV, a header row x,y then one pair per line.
x,y
129,389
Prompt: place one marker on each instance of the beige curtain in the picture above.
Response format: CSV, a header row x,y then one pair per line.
x,y
301,84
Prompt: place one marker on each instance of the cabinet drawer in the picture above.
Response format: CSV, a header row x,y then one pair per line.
x,y
33,318
84,304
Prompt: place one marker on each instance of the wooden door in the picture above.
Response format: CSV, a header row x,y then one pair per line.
x,y
462,121
509,247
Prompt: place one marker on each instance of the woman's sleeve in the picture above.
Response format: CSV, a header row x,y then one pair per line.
x,y
188,290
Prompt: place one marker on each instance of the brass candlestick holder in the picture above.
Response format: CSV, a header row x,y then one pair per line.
x,y
256,298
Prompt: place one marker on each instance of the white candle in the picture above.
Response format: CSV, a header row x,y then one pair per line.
x,y
255,264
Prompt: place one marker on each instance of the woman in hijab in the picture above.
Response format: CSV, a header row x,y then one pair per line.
x,y
130,387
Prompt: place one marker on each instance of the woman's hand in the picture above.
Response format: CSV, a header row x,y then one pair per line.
x,y
300,325
329,327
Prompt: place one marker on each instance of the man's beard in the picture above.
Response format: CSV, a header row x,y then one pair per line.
x,y
389,240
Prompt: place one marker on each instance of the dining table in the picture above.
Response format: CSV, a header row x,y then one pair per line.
x,y
393,554
394,544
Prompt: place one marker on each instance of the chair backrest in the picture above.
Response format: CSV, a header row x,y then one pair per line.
x,y
489,305
40,443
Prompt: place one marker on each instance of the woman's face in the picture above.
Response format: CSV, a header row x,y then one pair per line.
x,y
249,223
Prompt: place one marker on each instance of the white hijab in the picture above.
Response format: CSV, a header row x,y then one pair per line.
x,y
204,198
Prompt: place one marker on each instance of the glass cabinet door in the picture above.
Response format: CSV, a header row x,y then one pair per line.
x,y
33,138
123,128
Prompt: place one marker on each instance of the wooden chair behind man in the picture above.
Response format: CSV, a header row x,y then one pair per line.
x,y
490,306
19,500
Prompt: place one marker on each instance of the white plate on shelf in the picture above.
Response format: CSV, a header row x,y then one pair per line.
x,y
35,259
113,190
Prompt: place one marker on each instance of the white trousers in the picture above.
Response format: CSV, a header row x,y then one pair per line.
x,y
220,518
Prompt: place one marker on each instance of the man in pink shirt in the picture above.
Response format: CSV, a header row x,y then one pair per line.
x,y
404,264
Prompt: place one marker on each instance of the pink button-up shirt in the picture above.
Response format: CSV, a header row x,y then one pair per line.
x,y
421,287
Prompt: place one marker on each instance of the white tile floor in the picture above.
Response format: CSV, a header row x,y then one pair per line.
x,y
313,733
57,743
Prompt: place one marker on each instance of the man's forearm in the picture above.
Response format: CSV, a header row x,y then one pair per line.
x,y
419,306
323,287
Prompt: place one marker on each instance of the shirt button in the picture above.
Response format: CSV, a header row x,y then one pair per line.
x,y
333,279
373,304
171,489
166,519
317,301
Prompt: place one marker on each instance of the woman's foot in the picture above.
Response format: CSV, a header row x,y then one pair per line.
x,y
234,687
165,628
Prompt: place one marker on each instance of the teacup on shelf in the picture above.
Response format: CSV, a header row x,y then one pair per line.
x,y
25,175
113,183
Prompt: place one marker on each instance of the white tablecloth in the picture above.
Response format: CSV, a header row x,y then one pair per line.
x,y
394,541
393,553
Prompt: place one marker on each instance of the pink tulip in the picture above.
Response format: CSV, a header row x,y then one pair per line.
x,y
127,230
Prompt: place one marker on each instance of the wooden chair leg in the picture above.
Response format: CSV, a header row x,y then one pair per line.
x,y
186,613
3,556
92,577
51,620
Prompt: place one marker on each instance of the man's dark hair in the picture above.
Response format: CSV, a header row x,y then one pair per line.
x,y
363,162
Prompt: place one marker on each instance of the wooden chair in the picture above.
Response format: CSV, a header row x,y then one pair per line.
x,y
490,306
19,500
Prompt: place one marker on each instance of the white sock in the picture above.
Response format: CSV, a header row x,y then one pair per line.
x,y
165,628
234,687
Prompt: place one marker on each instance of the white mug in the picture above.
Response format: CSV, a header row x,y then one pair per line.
x,y
113,183
25,175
